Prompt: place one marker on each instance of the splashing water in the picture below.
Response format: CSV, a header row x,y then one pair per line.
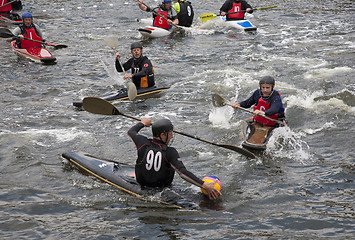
x,y
220,117
287,144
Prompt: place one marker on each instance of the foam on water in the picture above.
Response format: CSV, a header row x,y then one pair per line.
x,y
220,117
322,73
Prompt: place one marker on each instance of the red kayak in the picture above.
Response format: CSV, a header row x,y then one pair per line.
x,y
37,54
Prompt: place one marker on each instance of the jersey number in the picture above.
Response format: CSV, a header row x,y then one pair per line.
x,y
153,161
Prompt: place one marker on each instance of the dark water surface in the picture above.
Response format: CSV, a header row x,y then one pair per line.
x,y
301,188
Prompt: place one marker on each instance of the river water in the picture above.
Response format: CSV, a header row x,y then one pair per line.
x,y
302,187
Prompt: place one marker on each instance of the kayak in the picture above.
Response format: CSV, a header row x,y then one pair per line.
x,y
123,95
245,24
37,54
8,19
156,32
118,174
255,136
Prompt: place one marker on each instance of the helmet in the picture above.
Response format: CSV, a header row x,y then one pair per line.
x,y
136,45
26,15
166,1
161,126
267,80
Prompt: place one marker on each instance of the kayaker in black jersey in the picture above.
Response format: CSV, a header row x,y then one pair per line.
x,y
185,12
232,6
157,162
266,101
7,7
142,71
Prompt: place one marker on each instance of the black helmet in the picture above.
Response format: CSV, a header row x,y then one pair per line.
x,y
136,45
161,126
267,80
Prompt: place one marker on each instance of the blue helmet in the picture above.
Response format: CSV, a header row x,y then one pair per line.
x,y
166,1
26,15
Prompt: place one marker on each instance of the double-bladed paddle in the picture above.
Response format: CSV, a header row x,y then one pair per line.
x,y
209,16
100,106
112,42
6,33
219,101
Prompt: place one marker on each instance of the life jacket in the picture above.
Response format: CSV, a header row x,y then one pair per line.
x,y
161,22
151,169
31,33
264,105
145,81
186,14
7,8
236,8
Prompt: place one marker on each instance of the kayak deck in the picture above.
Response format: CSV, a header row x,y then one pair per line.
x,y
245,24
123,95
255,136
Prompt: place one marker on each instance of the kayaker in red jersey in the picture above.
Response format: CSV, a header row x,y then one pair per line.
x,y
266,101
28,29
142,71
157,161
7,7
165,10
231,6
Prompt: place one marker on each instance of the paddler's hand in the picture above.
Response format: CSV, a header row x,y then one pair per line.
x,y
258,112
127,75
47,43
235,105
223,14
213,193
248,9
146,121
117,55
21,37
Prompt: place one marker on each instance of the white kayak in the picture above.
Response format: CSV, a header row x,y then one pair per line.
x,y
156,32
245,24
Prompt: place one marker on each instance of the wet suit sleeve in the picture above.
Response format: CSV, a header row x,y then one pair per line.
x,y
227,5
127,65
246,5
147,69
275,105
251,101
16,6
174,159
138,139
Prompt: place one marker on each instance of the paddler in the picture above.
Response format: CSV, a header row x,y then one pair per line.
x,y
7,7
157,161
142,69
28,29
232,6
165,10
185,12
267,101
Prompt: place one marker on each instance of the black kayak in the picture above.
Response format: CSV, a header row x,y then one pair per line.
x,y
123,95
118,174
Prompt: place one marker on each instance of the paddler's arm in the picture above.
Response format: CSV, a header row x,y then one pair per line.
x,y
143,7
126,65
17,5
139,140
188,176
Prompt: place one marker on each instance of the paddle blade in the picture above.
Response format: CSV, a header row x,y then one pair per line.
x,y
131,91
218,101
111,41
99,106
240,150
59,46
207,16
263,8
6,33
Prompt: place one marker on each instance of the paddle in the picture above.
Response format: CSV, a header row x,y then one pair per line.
x,y
112,42
100,106
8,3
6,33
209,16
219,101
163,17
